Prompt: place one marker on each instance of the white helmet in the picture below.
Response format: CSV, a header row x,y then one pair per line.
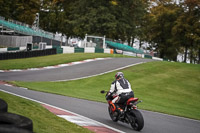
x,y
119,74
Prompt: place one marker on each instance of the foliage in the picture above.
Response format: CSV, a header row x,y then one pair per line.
x,y
170,28
162,19
21,10
186,29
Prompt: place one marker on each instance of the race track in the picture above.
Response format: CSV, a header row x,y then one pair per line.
x,y
154,122
71,72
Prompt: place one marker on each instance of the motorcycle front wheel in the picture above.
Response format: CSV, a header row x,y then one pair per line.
x,y
137,121
113,116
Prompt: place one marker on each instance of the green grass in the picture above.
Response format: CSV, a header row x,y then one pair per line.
x,y
43,120
172,88
50,60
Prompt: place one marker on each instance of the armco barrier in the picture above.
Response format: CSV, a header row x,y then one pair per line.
x,y
26,54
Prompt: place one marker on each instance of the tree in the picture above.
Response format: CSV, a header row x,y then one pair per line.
x,y
161,20
5,7
186,29
21,10
92,17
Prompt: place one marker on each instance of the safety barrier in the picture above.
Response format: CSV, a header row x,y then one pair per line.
x,y
89,50
79,50
26,54
13,48
59,49
148,56
13,123
66,49
99,50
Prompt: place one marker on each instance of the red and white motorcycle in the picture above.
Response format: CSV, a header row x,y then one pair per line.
x,y
131,114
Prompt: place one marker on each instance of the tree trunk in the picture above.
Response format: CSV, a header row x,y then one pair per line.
x,y
131,42
162,54
185,54
199,56
140,43
191,55
192,58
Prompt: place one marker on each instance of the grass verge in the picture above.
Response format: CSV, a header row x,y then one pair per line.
x,y
43,120
171,88
50,60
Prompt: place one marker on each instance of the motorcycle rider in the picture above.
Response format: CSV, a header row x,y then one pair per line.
x,y
121,91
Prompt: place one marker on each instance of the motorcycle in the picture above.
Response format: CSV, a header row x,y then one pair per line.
x,y
131,115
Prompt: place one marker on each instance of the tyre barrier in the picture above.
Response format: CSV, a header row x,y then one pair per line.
x,y
3,106
27,54
16,121
12,129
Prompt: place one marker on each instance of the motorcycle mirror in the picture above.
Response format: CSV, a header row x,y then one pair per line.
x,y
102,91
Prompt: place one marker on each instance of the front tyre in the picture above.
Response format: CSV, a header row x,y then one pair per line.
x,y
137,121
113,116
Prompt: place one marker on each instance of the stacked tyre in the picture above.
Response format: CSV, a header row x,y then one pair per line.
x,y
13,123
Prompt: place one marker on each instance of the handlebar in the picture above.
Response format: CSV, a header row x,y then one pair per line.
x,y
103,91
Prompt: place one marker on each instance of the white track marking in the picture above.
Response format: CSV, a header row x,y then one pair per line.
x,y
99,73
63,110
56,66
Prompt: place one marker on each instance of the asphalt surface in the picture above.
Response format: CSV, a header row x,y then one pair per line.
x,y
71,72
154,122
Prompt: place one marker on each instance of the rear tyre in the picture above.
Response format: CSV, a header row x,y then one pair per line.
x,y
16,121
137,120
3,106
113,116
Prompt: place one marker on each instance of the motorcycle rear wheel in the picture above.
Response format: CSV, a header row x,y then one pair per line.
x,y
137,120
114,118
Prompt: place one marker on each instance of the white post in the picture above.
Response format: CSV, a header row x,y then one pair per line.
x,y
61,39
104,41
85,39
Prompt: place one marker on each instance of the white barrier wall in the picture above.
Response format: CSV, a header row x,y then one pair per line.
x,y
48,46
107,50
67,49
3,49
129,53
22,48
142,55
89,50
156,58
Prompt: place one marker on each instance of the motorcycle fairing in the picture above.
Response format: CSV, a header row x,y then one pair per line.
x,y
132,99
